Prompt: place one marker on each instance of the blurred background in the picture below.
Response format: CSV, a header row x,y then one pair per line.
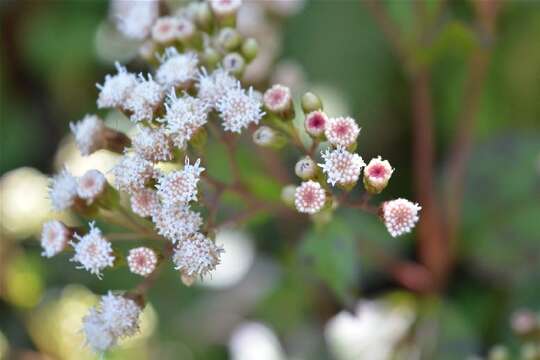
x,y
285,290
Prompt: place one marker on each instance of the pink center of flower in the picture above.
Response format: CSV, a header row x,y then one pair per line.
x,y
88,183
309,196
316,121
276,97
165,27
377,171
341,129
140,260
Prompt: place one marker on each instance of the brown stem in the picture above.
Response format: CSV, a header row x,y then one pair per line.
x,y
462,143
433,244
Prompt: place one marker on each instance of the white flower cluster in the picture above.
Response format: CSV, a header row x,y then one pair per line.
x,y
115,317
400,216
92,251
66,189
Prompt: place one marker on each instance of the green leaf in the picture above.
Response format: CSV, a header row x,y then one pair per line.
x,y
332,254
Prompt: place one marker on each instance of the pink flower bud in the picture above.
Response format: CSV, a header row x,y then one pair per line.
x,y
400,216
315,123
142,261
376,175
309,197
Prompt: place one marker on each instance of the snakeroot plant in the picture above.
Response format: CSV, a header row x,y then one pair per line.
x,y
162,190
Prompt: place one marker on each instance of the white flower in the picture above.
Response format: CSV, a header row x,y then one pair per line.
x,y
132,173
91,185
144,202
184,116
309,197
93,251
114,318
63,190
89,134
176,223
54,238
315,123
341,166
179,187
215,86
143,99
153,144
164,29
224,8
400,216
97,336
238,109
135,18
341,131
377,174
142,261
196,257
121,315
116,88
278,98
177,70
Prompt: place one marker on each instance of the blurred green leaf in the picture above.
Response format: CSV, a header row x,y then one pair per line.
x,y
333,254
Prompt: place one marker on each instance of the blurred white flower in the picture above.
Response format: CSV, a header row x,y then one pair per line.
x,y
253,340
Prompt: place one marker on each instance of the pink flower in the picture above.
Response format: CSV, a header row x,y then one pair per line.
x,y
309,197
142,261
400,216
315,123
341,131
377,174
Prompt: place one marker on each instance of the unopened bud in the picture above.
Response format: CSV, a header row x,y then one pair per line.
x,y
311,102
376,175
234,63
315,123
225,10
210,57
229,39
267,137
203,16
288,195
278,100
250,48
305,168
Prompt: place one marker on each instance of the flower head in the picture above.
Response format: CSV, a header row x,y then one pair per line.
x,y
305,168
164,30
116,88
177,70
309,197
224,8
341,167
239,108
400,216
315,123
142,261
91,185
196,257
63,190
184,116
97,336
143,99
341,131
89,134
233,63
376,175
93,251
135,18
176,223
180,187
120,315
153,144
278,99
144,202
215,86
54,238
132,173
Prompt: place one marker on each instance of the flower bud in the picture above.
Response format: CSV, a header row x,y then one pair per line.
x,y
203,16
234,63
250,48
267,137
210,57
278,100
315,123
498,352
311,102
55,237
225,10
305,168
288,195
376,175
229,39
